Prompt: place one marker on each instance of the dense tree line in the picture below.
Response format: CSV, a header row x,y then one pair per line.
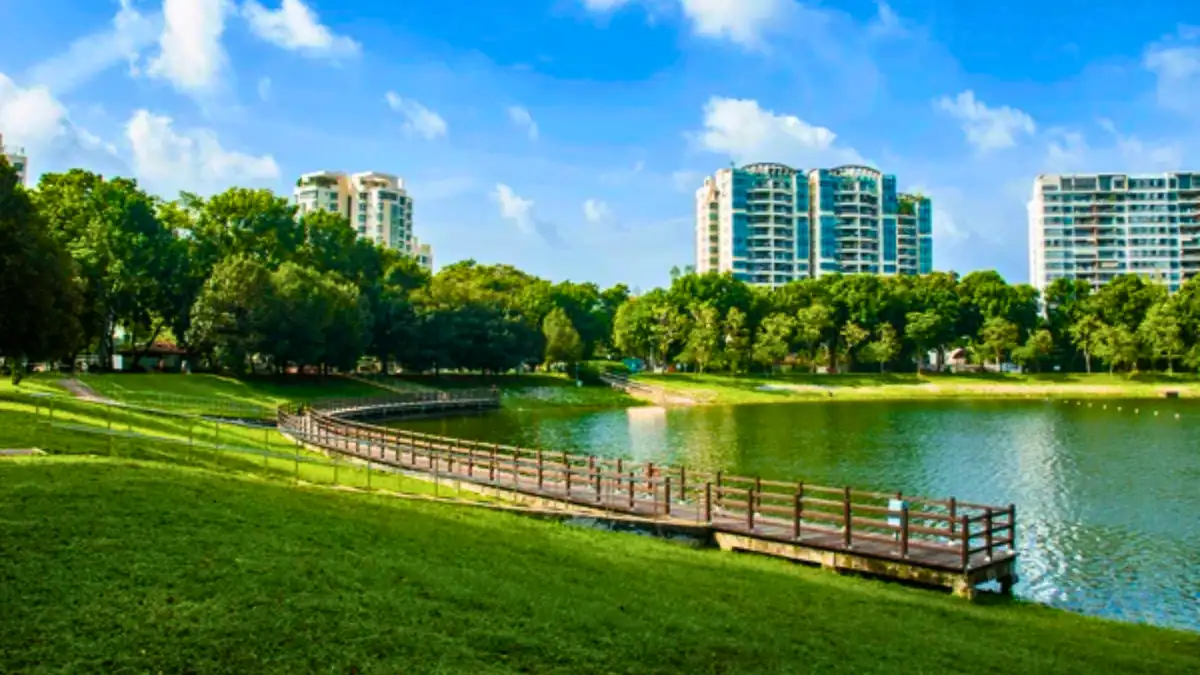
x,y
862,322
237,280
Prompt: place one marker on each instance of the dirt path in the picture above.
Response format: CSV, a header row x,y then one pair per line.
x,y
84,393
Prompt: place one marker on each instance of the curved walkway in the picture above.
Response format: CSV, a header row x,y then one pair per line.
x,y
942,542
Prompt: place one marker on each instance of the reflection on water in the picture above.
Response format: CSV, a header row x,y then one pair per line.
x,y
1107,500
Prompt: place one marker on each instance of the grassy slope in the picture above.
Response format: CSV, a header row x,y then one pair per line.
x,y
727,389
534,391
81,428
116,565
203,393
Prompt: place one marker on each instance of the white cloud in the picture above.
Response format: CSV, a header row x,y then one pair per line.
x,y
1069,151
167,161
30,117
123,40
987,128
1175,62
597,212
513,208
747,133
886,23
521,117
264,88
296,27
191,55
742,21
421,121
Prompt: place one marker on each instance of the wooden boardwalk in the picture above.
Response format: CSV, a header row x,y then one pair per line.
x,y
939,542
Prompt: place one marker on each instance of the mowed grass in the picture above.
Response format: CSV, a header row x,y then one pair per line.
x,y
533,391
120,566
729,389
215,394
66,426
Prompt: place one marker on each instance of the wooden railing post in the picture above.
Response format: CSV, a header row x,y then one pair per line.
x,y
847,519
619,474
750,510
758,492
596,476
719,494
539,469
797,511
1012,527
631,491
682,483
516,469
567,471
904,530
492,464
987,534
953,513
965,533
708,494
666,495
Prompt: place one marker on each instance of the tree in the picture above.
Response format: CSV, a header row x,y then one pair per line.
x,y
998,336
39,299
1085,334
1066,303
774,335
1161,333
234,313
128,260
1036,349
1119,346
703,344
737,340
884,348
812,326
925,330
633,329
852,336
563,344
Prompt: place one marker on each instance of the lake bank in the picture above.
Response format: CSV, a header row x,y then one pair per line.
x,y
708,389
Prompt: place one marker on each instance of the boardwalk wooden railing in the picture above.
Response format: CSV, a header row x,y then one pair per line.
x,y
942,534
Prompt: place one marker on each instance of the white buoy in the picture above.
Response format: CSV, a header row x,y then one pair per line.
x,y
1156,413
1136,411
1118,408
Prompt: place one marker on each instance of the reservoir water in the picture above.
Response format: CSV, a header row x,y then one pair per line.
x,y
1108,500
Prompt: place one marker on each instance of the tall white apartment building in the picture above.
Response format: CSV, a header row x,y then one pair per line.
x,y
376,205
16,159
1098,226
770,224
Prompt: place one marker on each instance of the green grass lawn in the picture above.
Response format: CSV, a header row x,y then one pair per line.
x,y
533,391
202,393
64,425
122,566
727,389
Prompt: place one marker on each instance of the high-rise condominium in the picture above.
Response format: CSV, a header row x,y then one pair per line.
x,y
771,224
1098,226
16,159
376,205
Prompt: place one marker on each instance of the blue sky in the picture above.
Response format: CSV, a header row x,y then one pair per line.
x,y
567,136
